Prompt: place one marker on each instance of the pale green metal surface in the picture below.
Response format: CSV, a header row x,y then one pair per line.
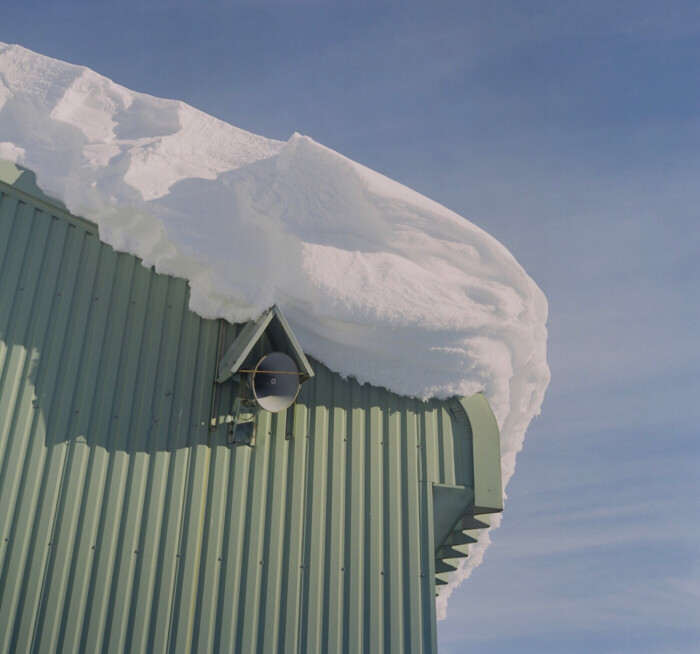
x,y
127,524
486,450
450,503
466,507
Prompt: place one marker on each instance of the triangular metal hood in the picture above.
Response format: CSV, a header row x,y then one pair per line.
x,y
281,336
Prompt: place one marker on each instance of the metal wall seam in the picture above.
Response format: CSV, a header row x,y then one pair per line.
x,y
336,566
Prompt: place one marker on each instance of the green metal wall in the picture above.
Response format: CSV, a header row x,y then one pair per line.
x,y
128,524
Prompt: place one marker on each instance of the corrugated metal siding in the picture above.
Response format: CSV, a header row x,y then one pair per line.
x,y
105,383
357,575
126,524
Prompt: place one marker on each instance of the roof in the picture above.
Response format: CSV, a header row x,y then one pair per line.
x,y
127,520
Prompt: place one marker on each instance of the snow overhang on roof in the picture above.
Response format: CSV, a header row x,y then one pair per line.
x,y
378,282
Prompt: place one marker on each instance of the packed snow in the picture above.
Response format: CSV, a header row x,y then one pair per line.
x,y
377,281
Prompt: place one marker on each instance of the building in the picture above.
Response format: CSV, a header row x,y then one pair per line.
x,y
129,521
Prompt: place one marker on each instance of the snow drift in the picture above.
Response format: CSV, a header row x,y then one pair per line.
x,y
377,281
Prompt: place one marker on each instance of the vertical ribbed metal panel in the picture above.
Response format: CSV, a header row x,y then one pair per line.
x,y
325,544
127,524
105,384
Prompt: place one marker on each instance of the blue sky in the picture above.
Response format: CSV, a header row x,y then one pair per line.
x,y
571,132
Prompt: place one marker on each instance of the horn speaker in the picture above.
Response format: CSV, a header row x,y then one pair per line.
x,y
275,382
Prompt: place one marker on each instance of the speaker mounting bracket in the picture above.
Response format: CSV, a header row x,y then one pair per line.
x,y
241,428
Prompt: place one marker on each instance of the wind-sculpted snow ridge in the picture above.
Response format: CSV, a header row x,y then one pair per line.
x,y
377,281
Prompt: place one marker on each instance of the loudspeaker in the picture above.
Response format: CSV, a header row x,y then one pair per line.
x,y
275,382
